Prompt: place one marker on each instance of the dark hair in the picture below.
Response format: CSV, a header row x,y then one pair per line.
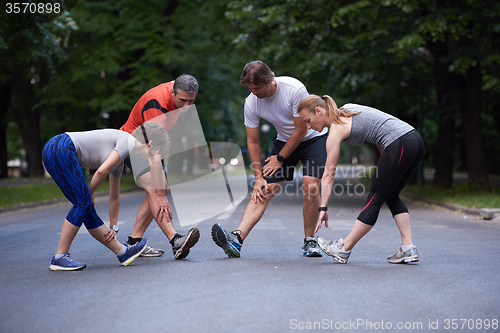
x,y
186,83
156,134
256,73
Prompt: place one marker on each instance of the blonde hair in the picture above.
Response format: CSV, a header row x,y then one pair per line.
x,y
311,102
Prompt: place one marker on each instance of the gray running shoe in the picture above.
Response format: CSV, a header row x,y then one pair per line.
x,y
401,257
334,249
311,248
182,244
151,252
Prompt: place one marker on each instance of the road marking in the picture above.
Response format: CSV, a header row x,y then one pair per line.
x,y
270,224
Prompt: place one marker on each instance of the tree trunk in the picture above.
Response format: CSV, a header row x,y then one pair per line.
x,y
118,119
469,88
445,147
29,127
445,151
176,161
30,132
5,96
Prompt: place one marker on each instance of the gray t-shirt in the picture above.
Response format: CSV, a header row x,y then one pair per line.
x,y
94,147
375,126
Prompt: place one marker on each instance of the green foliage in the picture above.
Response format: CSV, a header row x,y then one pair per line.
x,y
122,49
98,59
373,52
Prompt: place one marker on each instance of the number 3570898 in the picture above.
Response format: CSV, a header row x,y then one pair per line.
x,y
32,8
471,324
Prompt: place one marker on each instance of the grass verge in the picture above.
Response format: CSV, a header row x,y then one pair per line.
x,y
459,194
24,194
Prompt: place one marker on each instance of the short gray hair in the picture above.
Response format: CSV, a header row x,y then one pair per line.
x,y
186,83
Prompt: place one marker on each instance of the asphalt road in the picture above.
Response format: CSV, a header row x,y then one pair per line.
x,y
271,288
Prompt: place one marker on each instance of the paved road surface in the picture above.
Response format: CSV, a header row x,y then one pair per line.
x,y
272,288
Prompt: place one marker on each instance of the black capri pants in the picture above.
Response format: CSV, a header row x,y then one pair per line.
x,y
394,169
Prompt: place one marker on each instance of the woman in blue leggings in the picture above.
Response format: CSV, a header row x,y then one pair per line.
x,y
105,150
401,149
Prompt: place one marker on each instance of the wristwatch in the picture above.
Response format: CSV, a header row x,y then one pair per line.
x,y
280,158
322,208
115,228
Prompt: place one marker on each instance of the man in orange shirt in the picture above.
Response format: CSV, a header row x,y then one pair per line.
x,y
160,101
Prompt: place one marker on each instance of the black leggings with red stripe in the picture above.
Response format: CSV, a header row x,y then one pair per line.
x,y
394,169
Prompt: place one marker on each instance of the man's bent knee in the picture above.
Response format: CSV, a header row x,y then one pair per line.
x,y
311,188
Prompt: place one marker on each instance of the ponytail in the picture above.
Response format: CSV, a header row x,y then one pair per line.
x,y
334,113
332,110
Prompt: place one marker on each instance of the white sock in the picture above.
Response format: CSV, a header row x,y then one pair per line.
x,y
122,250
58,255
406,247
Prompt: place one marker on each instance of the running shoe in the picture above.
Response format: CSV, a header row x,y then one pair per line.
x,y
182,244
401,256
132,252
311,248
66,263
334,249
228,241
151,252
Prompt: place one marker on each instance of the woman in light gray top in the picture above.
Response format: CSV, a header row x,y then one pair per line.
x,y
401,149
105,150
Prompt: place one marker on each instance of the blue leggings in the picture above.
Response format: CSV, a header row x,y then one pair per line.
x,y
394,169
60,160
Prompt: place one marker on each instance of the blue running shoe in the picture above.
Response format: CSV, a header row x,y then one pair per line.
x,y
311,248
65,263
133,251
228,241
